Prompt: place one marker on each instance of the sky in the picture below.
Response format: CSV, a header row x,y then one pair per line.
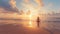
x,y
48,5
15,5
35,6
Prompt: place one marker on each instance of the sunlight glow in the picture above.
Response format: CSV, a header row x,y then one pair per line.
x,y
30,22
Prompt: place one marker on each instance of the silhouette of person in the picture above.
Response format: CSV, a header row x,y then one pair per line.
x,y
38,21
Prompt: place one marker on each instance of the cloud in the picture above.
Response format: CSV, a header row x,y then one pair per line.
x,y
13,3
8,5
39,2
33,6
26,1
30,6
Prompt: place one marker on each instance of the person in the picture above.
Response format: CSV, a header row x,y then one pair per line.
x,y
38,21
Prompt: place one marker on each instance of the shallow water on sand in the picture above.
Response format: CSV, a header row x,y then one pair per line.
x,y
28,27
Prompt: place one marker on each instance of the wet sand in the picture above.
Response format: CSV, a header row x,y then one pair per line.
x,y
19,29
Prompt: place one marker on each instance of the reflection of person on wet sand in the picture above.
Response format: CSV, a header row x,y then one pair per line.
x,y
38,21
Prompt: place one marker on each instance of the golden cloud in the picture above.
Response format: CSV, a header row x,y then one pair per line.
x,y
13,3
26,1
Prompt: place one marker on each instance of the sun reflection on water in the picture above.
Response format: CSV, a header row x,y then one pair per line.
x,y
30,24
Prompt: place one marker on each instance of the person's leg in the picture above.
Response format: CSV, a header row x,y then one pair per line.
x,y
38,24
